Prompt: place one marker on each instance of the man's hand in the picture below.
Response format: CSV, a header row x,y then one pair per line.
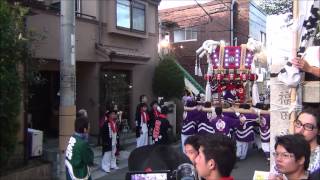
x,y
301,64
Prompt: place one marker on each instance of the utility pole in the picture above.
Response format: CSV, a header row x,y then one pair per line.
x,y
67,109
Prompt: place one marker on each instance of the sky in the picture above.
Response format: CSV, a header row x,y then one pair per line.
x,y
164,4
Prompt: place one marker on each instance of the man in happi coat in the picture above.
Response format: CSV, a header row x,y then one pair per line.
x,y
224,123
189,123
245,134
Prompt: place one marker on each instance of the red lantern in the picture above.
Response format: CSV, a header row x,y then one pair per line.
x,y
231,77
243,77
253,77
219,77
208,77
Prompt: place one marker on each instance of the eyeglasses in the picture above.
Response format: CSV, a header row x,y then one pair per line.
x,y
284,155
306,126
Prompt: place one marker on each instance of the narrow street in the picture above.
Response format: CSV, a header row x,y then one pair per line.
x,y
244,170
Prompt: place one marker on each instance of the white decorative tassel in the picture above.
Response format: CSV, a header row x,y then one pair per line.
x,y
199,71
199,68
255,94
196,67
208,92
210,67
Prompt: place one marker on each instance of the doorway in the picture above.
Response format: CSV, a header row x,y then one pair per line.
x,y
115,89
43,105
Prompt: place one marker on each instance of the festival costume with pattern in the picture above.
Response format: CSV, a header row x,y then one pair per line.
x,y
109,141
245,134
160,131
314,160
224,123
204,125
142,121
189,125
78,158
154,115
264,129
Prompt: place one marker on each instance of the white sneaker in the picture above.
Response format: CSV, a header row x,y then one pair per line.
x,y
106,170
115,167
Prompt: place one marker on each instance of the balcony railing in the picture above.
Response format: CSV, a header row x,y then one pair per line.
x,y
54,7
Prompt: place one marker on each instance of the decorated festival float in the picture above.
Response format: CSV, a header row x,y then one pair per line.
x,y
235,77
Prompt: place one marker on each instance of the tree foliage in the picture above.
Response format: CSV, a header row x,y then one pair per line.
x,y
168,80
14,52
272,7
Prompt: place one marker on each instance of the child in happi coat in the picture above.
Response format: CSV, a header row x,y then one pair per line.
x,y
109,142
79,155
142,123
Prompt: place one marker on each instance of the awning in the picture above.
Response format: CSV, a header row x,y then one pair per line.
x,y
121,54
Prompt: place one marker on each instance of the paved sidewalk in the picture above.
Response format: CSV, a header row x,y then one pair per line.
x,y
127,142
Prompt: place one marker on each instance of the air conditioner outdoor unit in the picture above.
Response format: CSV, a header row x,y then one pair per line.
x,y
35,142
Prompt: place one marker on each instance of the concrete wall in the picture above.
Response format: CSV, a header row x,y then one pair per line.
x,y
89,62
48,26
87,96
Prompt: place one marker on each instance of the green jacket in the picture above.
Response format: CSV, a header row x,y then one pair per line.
x,y
78,156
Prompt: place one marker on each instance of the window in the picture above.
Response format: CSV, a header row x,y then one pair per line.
x,y
131,15
263,38
78,5
187,34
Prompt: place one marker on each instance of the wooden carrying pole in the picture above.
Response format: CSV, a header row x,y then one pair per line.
x,y
293,91
240,110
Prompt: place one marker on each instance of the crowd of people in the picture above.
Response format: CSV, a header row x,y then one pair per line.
x,y
152,124
213,141
241,127
297,156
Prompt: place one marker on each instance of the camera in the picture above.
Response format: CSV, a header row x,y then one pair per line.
x,y
184,172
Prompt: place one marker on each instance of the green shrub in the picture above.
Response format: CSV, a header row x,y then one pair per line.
x,y
168,80
13,52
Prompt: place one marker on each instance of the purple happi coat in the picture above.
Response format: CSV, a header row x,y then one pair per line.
x,y
189,123
264,128
245,132
204,126
224,124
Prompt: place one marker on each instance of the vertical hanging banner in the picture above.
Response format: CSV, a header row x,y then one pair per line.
x,y
279,46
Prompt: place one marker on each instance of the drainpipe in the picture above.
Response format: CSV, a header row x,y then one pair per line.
x,y
231,23
100,22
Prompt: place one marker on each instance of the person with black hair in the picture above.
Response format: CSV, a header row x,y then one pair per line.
x,y
109,142
217,157
292,156
223,124
154,115
189,123
191,149
160,131
79,155
142,123
308,125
